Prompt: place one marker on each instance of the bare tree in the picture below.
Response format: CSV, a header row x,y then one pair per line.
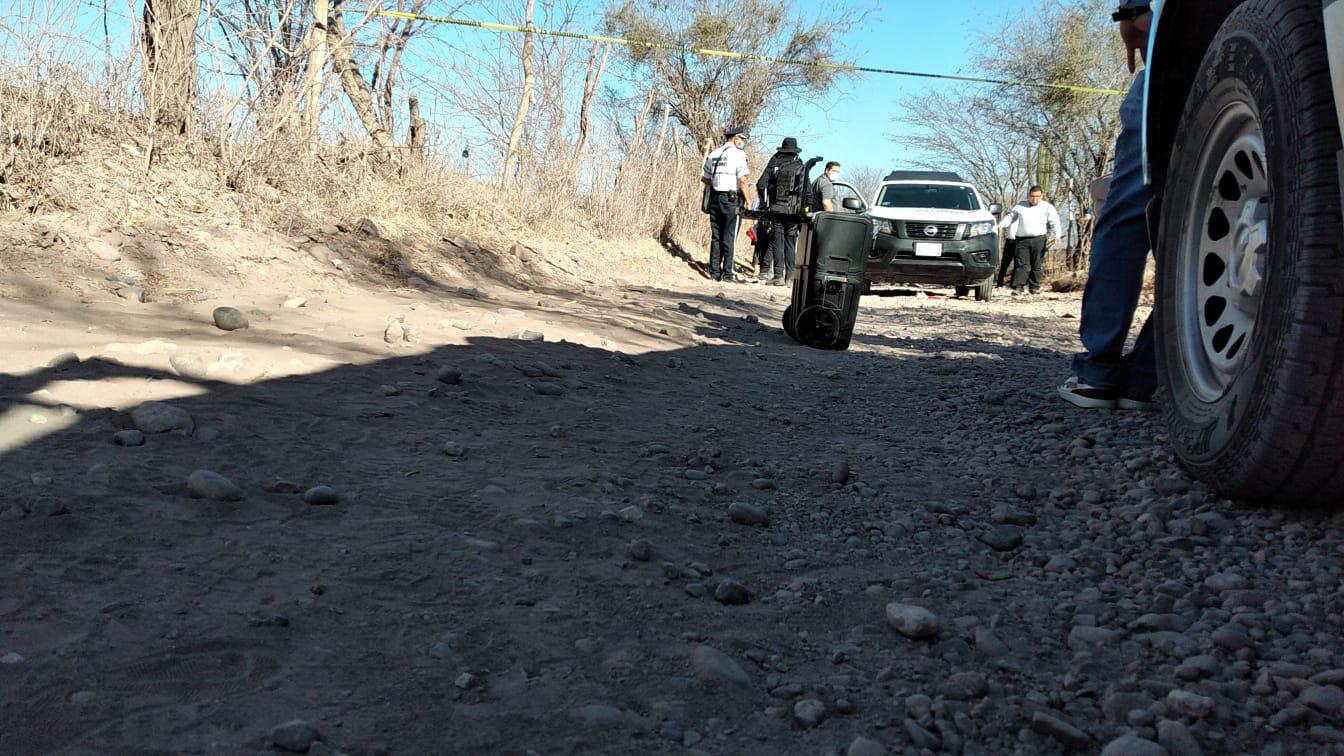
x,y
169,44
591,81
706,93
373,100
865,178
524,102
995,159
1012,137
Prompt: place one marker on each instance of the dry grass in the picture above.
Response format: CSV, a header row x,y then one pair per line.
x,y
75,140
66,153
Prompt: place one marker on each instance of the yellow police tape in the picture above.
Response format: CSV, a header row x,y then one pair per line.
x,y
720,53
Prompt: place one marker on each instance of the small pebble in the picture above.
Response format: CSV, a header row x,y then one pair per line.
x,y
295,735
207,484
320,496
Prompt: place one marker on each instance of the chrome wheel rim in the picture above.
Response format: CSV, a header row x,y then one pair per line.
x,y
1223,253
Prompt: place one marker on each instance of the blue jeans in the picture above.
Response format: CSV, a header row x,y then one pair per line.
x,y
1120,249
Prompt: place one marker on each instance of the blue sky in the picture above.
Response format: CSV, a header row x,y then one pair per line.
x,y
933,37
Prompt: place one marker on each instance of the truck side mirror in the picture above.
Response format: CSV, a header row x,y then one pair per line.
x,y
995,208
852,203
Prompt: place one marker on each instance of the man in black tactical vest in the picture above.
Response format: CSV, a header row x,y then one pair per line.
x,y
780,188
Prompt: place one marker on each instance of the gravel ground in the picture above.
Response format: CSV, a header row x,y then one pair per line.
x,y
728,545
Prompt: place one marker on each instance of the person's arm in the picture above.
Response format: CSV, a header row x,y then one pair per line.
x,y
1134,32
828,197
744,186
1009,219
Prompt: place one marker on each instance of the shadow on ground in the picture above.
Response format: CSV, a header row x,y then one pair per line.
x,y
482,530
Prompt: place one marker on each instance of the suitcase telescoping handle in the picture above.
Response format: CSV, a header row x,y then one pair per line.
x,y
777,216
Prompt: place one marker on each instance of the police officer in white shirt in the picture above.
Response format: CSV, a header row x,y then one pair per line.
x,y
1034,223
725,173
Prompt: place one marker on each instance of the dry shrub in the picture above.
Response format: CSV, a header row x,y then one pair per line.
x,y
74,137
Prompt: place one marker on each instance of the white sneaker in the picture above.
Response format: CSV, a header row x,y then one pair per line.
x,y
1082,395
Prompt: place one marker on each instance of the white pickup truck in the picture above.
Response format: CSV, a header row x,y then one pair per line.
x,y
1242,147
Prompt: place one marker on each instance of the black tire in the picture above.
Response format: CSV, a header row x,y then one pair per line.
x,y
788,322
1259,415
985,291
847,331
963,291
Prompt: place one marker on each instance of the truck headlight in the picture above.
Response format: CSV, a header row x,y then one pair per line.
x,y
978,229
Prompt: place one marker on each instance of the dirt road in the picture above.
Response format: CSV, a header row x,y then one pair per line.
x,y
629,520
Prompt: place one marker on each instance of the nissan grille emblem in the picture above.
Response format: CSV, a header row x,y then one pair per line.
x,y
930,230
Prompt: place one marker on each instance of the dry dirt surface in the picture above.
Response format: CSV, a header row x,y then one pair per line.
x,y
615,519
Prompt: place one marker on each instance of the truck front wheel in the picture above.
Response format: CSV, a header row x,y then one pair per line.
x,y
1250,285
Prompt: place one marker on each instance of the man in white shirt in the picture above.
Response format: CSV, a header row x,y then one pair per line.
x,y
1034,224
725,173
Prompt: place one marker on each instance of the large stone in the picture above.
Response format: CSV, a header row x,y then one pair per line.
x,y
862,746
130,437
188,364
1176,738
597,715
964,686
731,593
745,513
1002,537
1084,636
809,712
1327,699
296,736
207,484
1054,727
1132,745
913,621
1189,704
318,496
713,666
229,318
160,417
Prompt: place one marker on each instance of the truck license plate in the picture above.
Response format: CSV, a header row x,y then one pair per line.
x,y
928,249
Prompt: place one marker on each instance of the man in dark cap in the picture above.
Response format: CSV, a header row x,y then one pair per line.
x,y
780,187
725,173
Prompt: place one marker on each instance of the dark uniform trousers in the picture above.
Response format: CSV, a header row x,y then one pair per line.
x,y
1030,250
722,234
1006,262
783,249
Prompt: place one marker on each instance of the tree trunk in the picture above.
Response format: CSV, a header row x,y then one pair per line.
x,y
655,177
356,89
637,139
170,62
416,142
524,103
317,64
590,84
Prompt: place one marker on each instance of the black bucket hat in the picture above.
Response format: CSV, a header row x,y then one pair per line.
x,y
789,145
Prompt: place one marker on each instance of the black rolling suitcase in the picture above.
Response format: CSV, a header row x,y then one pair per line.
x,y
829,278
830,259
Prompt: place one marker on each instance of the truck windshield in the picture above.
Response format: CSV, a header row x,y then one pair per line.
x,y
941,196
